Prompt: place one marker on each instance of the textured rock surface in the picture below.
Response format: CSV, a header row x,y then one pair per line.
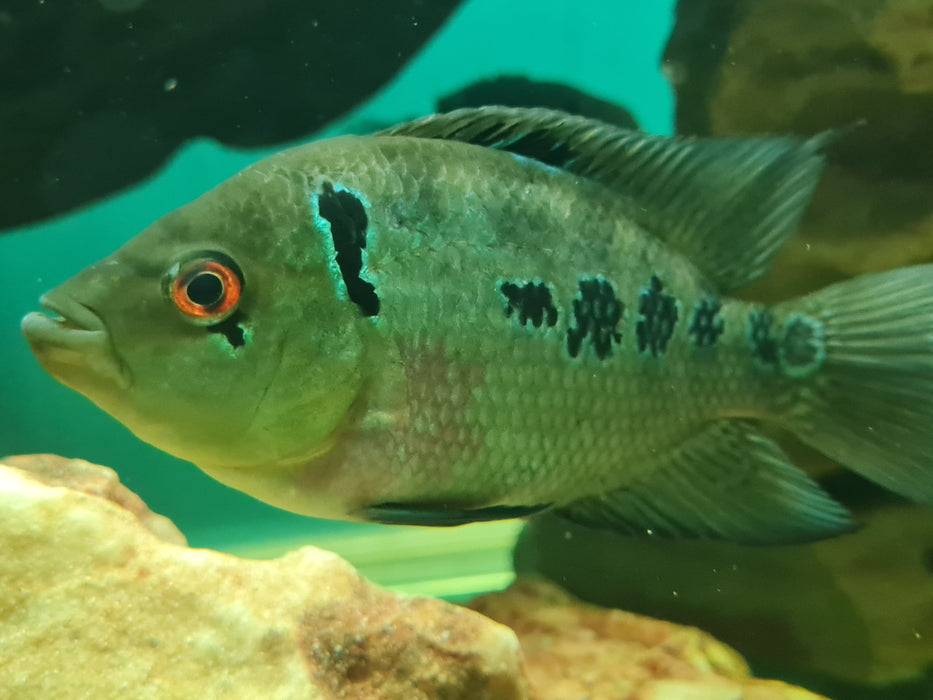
x,y
574,651
856,608
100,598
94,480
772,66
93,604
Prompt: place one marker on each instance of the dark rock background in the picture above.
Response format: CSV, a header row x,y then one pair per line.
x,y
772,66
94,95
519,91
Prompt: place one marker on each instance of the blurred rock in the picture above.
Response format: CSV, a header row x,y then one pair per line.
x,y
93,604
856,608
573,650
771,66
96,95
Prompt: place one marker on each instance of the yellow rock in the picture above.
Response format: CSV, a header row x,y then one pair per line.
x,y
101,598
94,605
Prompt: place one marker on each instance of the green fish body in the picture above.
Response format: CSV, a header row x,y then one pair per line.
x,y
493,312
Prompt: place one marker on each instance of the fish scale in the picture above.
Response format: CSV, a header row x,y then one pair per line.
x,y
525,368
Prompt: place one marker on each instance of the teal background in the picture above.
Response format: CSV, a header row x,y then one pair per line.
x,y
611,49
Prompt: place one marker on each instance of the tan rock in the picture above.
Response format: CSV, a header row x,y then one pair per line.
x,y
574,650
94,605
100,598
94,480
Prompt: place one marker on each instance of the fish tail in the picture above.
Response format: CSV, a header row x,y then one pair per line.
x,y
861,356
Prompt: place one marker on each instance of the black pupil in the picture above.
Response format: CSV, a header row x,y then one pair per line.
x,y
206,289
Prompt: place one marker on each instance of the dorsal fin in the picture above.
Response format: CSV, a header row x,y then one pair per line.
x,y
726,203
726,482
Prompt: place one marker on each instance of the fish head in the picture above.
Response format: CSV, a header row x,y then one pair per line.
x,y
215,334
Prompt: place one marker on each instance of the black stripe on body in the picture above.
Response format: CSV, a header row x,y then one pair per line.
x,y
347,218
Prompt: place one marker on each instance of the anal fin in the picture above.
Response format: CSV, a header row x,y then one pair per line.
x,y
726,483
436,515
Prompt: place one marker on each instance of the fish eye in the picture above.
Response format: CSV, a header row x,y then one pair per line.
x,y
207,290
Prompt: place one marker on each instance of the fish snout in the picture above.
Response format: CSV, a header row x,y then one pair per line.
x,y
70,339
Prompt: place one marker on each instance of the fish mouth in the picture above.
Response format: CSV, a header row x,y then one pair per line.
x,y
70,339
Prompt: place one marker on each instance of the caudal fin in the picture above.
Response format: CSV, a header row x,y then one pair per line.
x,y
869,405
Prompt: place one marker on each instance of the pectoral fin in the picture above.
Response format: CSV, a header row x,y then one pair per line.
x,y
437,515
727,483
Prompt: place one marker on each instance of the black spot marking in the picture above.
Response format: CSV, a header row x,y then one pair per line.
x,y
532,301
706,326
659,315
347,218
597,313
231,329
801,350
764,345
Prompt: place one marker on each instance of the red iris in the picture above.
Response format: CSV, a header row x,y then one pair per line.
x,y
206,290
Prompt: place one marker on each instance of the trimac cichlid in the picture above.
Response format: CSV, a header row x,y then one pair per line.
x,y
487,313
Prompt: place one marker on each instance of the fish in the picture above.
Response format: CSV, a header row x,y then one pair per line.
x,y
493,312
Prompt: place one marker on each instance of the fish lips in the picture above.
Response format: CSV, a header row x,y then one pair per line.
x,y
73,344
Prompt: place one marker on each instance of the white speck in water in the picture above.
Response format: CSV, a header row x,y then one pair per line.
x,y
170,84
674,593
917,634
314,23
808,247
568,535
649,532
